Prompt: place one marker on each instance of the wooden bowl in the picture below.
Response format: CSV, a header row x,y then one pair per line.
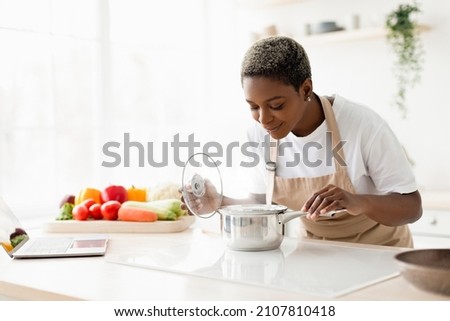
x,y
427,269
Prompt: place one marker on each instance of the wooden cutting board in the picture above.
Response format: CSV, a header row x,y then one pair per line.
x,y
104,226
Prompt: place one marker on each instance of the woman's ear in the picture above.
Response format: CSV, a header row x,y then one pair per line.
x,y
306,89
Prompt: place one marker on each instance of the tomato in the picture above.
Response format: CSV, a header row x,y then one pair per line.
x,y
110,210
80,212
95,211
88,202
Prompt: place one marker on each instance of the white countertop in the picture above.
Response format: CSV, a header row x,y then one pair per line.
x,y
95,278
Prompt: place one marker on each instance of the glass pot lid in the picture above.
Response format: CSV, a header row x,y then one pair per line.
x,y
202,185
253,209
202,191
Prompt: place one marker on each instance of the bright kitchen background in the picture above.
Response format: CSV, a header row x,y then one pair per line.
x,y
76,74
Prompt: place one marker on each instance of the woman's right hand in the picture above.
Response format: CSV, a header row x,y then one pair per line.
x,y
205,204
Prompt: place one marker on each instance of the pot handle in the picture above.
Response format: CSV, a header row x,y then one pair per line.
x,y
287,216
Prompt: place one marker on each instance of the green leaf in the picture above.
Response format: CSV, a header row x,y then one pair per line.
x,y
404,38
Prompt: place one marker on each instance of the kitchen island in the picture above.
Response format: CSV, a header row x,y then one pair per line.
x,y
117,275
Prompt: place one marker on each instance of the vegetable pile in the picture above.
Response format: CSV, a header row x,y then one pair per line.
x,y
115,202
15,239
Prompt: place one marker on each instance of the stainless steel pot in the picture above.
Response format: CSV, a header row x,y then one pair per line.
x,y
254,227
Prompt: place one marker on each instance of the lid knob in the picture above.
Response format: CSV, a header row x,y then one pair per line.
x,y
198,185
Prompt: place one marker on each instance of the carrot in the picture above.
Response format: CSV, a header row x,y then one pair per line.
x,y
136,215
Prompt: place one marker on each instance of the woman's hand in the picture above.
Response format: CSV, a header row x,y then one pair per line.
x,y
331,198
392,209
206,204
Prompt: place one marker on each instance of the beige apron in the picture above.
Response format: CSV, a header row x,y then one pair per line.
x,y
294,192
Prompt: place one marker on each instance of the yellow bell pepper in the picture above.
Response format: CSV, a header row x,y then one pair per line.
x,y
87,193
137,194
7,246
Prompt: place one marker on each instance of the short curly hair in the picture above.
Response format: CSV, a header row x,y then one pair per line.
x,y
280,58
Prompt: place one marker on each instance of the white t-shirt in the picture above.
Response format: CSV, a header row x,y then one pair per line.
x,y
376,162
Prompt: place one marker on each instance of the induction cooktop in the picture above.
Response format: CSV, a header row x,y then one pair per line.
x,y
311,268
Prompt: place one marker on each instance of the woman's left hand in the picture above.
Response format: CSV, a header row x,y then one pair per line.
x,y
331,198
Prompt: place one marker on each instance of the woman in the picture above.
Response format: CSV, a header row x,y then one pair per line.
x,y
332,153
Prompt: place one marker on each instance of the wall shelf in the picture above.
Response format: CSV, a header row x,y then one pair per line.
x,y
348,36
258,4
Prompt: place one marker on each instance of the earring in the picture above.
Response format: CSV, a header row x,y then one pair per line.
x,y
309,98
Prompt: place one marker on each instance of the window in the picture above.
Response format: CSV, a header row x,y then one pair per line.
x,y
77,74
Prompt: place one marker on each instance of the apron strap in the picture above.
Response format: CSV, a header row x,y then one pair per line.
x,y
271,166
334,131
273,149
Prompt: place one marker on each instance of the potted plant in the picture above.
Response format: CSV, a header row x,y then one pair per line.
x,y
403,35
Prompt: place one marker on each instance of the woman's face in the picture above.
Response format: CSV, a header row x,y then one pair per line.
x,y
278,107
